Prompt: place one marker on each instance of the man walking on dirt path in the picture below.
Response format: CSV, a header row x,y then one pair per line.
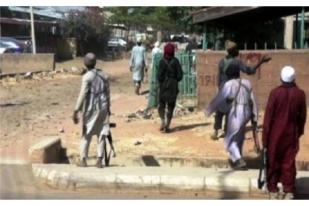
x,y
284,123
138,64
232,55
169,74
235,99
94,102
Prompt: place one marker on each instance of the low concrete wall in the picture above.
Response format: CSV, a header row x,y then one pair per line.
x,y
46,151
22,63
266,78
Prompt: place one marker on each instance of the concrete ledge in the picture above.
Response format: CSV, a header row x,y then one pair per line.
x,y
165,161
22,63
46,151
201,179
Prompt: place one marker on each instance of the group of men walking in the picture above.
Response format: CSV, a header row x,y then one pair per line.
x,y
168,75
283,125
284,118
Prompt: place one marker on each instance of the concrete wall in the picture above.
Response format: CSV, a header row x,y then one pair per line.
x,y
22,63
266,78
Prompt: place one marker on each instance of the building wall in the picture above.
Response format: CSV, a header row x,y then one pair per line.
x,y
266,78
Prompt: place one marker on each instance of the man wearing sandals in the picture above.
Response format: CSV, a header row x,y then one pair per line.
x,y
232,55
94,102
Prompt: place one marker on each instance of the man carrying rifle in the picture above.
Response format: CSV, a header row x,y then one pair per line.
x,y
236,99
94,102
233,53
284,122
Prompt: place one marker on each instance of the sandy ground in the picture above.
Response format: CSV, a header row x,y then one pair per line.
x,y
38,108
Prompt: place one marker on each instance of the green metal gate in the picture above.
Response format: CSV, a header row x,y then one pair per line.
x,y
187,86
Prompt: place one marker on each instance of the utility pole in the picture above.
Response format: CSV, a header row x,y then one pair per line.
x,y
32,31
205,37
302,29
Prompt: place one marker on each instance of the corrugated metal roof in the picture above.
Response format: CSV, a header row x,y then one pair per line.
x,y
24,21
241,14
47,12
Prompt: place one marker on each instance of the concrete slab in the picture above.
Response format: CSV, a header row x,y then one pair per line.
x,y
222,180
46,151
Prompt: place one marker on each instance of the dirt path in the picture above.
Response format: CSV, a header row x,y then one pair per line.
x,y
33,109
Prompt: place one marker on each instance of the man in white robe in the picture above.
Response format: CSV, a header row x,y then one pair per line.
x,y
156,49
235,99
94,102
138,64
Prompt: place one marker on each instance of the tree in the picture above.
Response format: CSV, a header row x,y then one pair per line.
x,y
89,28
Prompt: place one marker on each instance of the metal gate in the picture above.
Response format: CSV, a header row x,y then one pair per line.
x,y
187,86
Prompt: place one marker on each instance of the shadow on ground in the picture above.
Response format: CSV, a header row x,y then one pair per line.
x,y
12,104
144,92
188,127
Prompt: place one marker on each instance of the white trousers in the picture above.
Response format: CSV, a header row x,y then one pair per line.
x,y
85,143
235,134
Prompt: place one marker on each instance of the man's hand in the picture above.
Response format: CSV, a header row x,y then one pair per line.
x,y
75,117
265,58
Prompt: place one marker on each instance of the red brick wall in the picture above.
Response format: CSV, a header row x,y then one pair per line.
x,y
266,78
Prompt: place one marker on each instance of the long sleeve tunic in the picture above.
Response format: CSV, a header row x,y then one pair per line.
x,y
94,102
138,62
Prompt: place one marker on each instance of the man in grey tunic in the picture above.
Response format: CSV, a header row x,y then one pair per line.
x,y
94,102
138,64
235,99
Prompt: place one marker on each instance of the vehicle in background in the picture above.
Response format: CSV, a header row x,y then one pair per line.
x,y
12,45
116,41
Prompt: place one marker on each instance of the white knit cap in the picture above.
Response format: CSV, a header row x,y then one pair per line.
x,y
287,74
139,39
157,44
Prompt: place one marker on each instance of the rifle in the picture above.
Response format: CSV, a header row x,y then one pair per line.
x,y
262,180
257,147
110,141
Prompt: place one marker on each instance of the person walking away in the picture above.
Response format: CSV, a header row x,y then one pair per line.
x,y
236,100
94,103
169,74
232,55
284,123
138,64
155,50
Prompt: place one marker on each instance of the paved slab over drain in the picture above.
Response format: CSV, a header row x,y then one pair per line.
x,y
71,176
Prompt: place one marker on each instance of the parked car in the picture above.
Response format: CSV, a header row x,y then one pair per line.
x,y
12,45
116,41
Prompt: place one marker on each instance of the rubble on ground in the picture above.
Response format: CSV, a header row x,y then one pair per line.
x,y
140,114
147,114
38,76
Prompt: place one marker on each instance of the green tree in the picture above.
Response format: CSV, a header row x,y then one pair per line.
x,y
89,28
168,19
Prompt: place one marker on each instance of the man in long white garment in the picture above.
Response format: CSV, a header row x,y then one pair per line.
x,y
235,99
94,102
138,64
